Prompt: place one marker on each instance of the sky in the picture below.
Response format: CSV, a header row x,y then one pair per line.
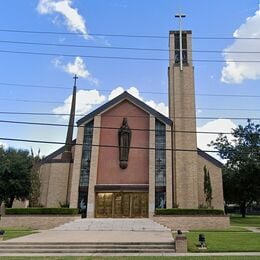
x,y
43,43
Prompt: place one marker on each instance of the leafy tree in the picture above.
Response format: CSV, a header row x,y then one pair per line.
x,y
207,187
15,175
241,175
3,172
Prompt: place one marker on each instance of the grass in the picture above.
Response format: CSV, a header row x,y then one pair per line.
x,y
226,241
248,221
16,232
230,229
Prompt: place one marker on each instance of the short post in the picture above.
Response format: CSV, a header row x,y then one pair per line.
x,y
180,243
2,232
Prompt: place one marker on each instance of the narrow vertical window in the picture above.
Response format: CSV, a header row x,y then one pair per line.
x,y
85,162
160,164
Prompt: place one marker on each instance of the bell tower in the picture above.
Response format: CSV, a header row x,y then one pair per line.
x,y
182,112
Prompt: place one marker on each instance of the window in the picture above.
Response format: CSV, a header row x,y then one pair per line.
x,y
160,164
86,154
184,48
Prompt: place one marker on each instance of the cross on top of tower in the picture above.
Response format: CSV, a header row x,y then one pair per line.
x,y
75,79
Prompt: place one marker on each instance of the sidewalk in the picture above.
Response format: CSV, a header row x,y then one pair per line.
x,y
94,236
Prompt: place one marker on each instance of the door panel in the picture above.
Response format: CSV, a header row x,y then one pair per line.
x,y
122,205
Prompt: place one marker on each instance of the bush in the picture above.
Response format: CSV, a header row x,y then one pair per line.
x,y
41,211
177,211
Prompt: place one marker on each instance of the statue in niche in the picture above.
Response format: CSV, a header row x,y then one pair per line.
x,y
124,141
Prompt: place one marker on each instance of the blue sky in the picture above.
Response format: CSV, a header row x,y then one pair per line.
x,y
105,78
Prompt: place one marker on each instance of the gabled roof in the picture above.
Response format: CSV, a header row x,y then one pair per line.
x,y
132,99
209,158
49,158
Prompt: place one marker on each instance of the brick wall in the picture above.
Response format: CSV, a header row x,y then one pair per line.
x,y
193,222
216,183
35,222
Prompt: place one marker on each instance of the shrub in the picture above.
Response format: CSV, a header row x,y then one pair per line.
x,y
41,211
176,211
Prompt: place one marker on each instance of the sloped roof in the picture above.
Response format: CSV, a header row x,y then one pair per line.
x,y
210,158
132,99
49,158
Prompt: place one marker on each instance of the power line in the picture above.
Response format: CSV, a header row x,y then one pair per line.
x,y
84,56
114,146
32,101
31,86
176,117
109,128
66,114
109,90
83,34
120,48
118,57
83,46
124,35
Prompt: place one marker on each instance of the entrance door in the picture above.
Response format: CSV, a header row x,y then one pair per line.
x,y
122,205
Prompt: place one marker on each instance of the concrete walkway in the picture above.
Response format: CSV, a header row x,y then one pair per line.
x,y
103,230
94,236
253,229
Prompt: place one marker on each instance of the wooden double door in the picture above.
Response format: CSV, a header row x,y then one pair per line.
x,y
121,205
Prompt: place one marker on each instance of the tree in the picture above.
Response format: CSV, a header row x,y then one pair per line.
x,y
241,174
3,172
35,180
15,175
207,187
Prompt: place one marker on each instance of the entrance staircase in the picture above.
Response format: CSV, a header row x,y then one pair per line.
x,y
113,224
94,237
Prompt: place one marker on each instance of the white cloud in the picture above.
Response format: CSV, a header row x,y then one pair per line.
x,y
218,125
160,107
78,67
73,20
85,101
235,71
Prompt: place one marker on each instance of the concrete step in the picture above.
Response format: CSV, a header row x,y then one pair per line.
x,y
10,243
66,248
102,224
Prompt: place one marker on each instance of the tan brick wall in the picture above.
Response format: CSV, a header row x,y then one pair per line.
x,y
58,184
93,168
76,169
44,180
193,222
35,222
151,206
216,183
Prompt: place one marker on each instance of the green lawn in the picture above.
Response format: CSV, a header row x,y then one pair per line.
x,y
139,258
248,221
16,232
226,241
230,229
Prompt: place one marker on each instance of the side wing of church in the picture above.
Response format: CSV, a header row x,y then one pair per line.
x,y
152,162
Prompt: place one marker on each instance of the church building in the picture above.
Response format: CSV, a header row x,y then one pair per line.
x,y
128,159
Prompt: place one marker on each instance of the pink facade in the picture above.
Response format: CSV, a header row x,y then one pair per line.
x,y
137,171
